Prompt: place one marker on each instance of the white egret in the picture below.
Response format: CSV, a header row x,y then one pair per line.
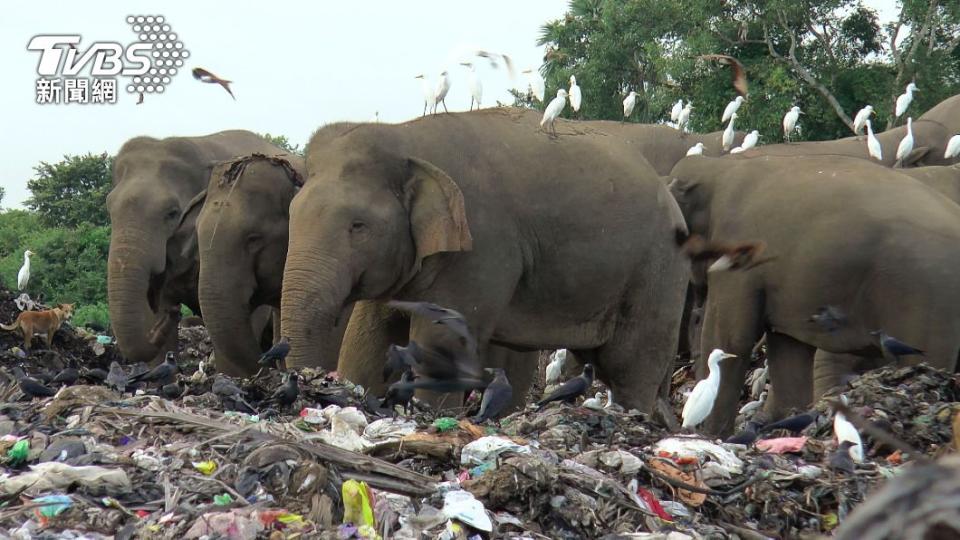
x,y
576,98
675,111
861,119
474,84
684,119
755,404
790,121
953,147
904,100
555,367
700,401
595,403
610,402
750,140
553,110
440,95
906,144
537,87
23,277
845,431
728,134
629,103
429,97
696,150
873,144
732,107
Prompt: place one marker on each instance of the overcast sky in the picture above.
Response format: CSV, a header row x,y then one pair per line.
x,y
295,68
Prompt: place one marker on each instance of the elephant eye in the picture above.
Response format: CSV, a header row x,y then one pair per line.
x,y
173,213
358,226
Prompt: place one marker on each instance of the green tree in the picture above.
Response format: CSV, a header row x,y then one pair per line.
x,y
73,191
827,56
283,142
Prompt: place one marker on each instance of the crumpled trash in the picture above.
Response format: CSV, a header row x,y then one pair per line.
x,y
311,415
464,507
357,503
685,450
63,449
486,449
146,460
104,340
205,467
619,460
237,524
782,445
445,424
52,505
389,429
345,428
55,475
671,470
19,452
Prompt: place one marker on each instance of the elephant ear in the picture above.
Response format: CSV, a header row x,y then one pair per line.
x,y
188,224
438,218
915,156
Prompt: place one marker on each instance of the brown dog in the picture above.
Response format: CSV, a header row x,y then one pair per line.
x,y
40,322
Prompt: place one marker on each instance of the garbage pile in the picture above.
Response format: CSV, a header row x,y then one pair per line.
x,y
227,459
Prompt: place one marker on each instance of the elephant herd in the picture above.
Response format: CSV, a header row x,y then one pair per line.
x,y
541,243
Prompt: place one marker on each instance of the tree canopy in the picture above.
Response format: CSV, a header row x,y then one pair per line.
x,y
73,191
830,57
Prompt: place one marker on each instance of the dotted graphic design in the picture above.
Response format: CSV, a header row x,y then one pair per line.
x,y
166,57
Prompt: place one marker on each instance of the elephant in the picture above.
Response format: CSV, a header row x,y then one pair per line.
x,y
661,146
541,243
945,179
242,235
839,231
152,265
931,131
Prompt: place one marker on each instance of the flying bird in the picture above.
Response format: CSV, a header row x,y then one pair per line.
x,y
675,111
496,396
449,318
830,318
555,367
203,75
700,401
953,148
860,121
275,356
847,432
629,103
745,436
841,460
163,374
683,119
23,276
794,424
873,144
537,86
729,133
893,348
474,84
738,72
906,144
904,100
440,94
569,391
595,403
30,386
117,378
400,393
492,57
790,121
742,256
429,98
553,110
731,108
576,97
696,150
287,393
140,99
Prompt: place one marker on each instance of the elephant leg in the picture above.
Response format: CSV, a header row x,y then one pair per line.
x,y
732,322
831,370
791,374
373,327
275,317
521,368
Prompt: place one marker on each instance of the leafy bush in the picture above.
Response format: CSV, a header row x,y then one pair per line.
x,y
91,315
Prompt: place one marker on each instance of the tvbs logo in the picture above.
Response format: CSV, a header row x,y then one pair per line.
x,y
148,64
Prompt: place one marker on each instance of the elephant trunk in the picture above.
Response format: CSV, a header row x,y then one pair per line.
x,y
230,326
129,271
315,289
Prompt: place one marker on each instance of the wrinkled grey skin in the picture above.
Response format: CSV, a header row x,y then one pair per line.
x,y
242,232
931,131
542,243
887,261
153,261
